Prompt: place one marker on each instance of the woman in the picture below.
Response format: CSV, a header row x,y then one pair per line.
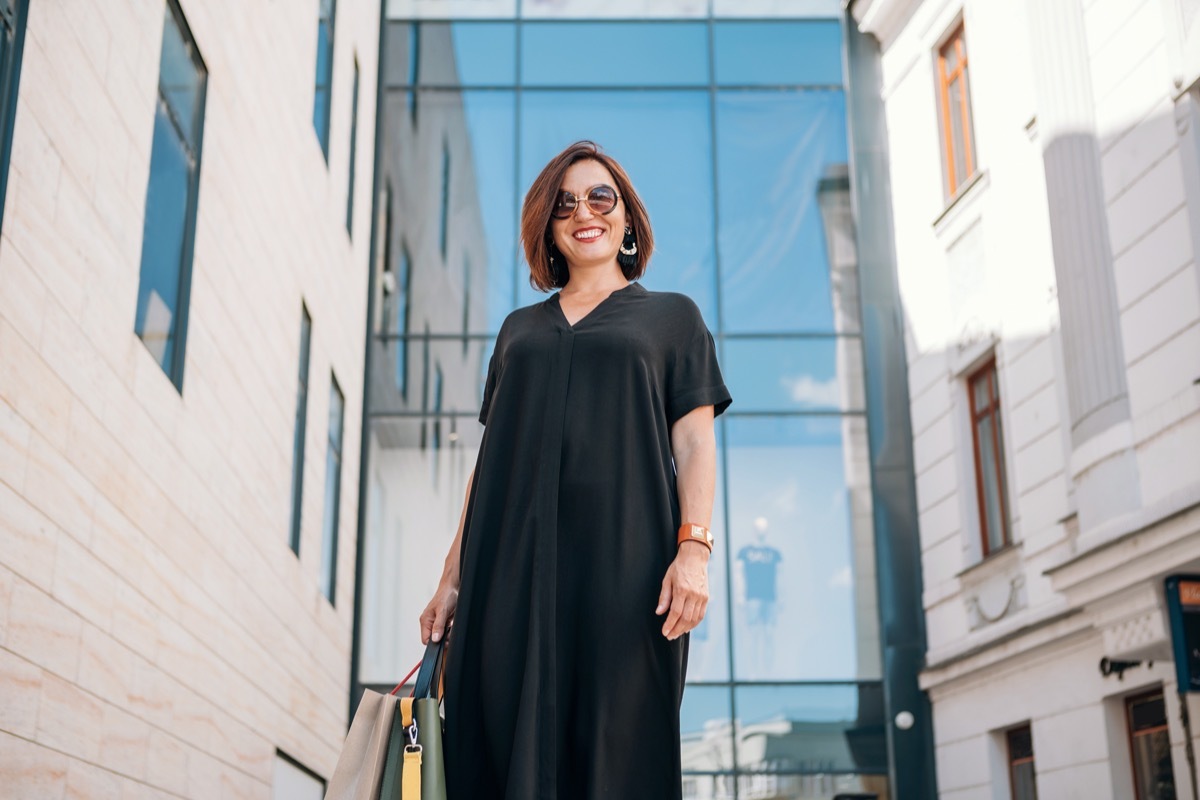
x,y
569,583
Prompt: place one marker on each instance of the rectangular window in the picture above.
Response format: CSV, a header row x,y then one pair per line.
x,y
171,196
333,485
323,93
403,306
991,484
1153,777
300,427
291,780
353,151
1020,764
445,216
954,103
13,14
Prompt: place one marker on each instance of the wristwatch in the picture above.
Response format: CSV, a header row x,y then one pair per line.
x,y
689,532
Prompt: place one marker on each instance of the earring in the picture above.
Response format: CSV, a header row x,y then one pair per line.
x,y
627,255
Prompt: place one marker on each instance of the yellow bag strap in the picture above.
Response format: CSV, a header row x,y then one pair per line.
x,y
410,783
410,779
406,711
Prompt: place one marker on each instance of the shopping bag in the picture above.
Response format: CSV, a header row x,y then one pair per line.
x,y
415,769
360,766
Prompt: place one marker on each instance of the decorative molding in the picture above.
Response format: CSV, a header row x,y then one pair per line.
x,y
883,19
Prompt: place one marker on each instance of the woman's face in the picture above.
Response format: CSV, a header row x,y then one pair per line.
x,y
587,238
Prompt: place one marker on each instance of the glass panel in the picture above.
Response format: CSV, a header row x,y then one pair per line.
x,y
1152,766
615,54
1020,744
958,141
466,54
180,81
674,181
991,483
708,651
290,781
451,9
823,786
706,729
811,729
602,9
162,243
412,516
333,482
1147,712
473,131
778,53
784,206
981,388
801,539
777,8
795,374
707,787
1024,784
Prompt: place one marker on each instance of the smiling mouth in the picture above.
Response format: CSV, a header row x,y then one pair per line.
x,y
588,234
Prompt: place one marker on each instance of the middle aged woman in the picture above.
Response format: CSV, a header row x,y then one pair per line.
x,y
581,559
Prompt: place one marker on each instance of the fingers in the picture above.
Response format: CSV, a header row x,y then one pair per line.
x,y
686,614
664,597
427,620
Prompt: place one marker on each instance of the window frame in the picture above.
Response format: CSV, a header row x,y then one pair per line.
x,y
324,137
952,182
331,522
1014,763
988,371
300,434
14,15
353,151
187,247
1131,736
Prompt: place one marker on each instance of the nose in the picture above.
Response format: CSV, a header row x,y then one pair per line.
x,y
581,207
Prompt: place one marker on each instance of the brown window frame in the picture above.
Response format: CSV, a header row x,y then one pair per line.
x,y
988,372
1130,735
956,40
1016,762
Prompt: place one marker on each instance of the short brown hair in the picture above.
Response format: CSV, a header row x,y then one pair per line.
x,y
539,202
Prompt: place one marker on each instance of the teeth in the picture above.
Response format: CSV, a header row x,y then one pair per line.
x,y
588,234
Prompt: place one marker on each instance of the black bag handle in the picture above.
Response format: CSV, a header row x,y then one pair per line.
x,y
429,677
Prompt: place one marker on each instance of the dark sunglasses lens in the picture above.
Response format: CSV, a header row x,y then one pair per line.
x,y
602,199
564,205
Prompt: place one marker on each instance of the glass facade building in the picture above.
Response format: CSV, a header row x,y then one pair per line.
x,y
732,123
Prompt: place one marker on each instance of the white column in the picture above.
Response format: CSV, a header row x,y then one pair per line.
x,y
1102,463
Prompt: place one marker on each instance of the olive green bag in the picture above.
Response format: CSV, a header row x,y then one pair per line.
x,y
414,768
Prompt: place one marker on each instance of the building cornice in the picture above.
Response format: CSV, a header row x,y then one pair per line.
x,y
883,19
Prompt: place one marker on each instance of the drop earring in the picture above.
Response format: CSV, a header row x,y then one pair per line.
x,y
627,255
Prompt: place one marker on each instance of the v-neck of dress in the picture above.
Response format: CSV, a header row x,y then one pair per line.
x,y
563,314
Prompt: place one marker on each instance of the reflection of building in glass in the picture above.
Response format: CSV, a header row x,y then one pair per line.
x,y
426,364
739,149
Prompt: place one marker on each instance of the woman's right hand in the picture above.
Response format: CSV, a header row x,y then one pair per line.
x,y
439,613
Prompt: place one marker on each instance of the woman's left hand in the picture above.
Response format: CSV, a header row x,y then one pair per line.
x,y
684,590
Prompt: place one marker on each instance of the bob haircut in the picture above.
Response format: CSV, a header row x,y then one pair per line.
x,y
539,202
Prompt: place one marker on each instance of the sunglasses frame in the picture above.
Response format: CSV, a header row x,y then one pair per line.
x,y
586,201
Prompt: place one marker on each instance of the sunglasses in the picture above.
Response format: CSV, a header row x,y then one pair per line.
x,y
601,199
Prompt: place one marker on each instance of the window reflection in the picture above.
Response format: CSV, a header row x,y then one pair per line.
x,y
778,52
781,205
614,54
811,729
464,141
809,374
668,156
706,733
803,558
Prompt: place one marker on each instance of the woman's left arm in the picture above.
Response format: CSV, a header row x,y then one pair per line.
x,y
685,586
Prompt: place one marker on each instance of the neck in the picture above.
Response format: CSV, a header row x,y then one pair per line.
x,y
595,279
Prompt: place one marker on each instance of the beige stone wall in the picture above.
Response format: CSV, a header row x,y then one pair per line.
x,y
157,634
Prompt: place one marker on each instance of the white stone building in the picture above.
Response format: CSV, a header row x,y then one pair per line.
x,y
1046,205
177,176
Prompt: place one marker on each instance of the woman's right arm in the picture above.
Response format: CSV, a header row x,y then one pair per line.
x,y
440,611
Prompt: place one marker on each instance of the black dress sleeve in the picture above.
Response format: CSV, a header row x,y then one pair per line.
x,y
693,375
488,388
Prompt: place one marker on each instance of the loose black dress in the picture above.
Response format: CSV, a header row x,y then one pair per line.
x,y
559,682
